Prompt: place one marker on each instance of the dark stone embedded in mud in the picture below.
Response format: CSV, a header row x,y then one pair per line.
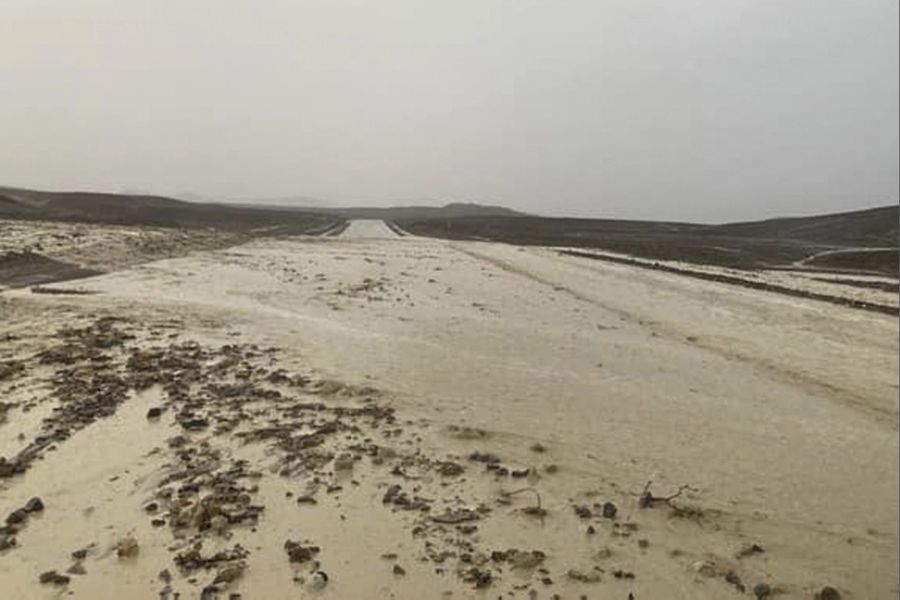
x,y
481,579
609,510
828,593
485,457
762,590
54,578
80,554
17,516
391,493
298,553
195,423
450,468
154,413
34,505
460,515
583,512
733,578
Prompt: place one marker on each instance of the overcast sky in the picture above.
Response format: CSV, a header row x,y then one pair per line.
x,y
708,110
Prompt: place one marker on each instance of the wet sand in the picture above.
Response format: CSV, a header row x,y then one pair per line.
x,y
511,393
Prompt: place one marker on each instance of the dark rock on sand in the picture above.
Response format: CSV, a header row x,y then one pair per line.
x,y
828,593
34,505
54,578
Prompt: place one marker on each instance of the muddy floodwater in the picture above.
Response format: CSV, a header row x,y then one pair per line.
x,y
378,415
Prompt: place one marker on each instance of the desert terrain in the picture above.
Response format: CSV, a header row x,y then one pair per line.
x,y
379,414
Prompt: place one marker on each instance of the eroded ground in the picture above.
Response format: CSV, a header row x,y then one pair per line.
x,y
359,417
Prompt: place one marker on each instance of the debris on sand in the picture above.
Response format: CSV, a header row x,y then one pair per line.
x,y
452,517
127,547
762,591
192,559
609,510
750,550
828,593
480,578
34,505
53,578
519,559
298,553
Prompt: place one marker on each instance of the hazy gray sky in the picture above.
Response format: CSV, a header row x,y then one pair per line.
x,y
667,109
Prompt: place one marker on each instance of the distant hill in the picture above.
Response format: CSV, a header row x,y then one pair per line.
x,y
159,211
872,227
774,243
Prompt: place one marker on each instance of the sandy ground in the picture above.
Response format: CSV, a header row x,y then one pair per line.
x,y
485,381
107,247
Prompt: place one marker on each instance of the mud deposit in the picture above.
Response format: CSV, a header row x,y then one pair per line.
x,y
373,416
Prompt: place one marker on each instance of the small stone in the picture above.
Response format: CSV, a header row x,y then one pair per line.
x,y
829,593
165,576
7,542
127,547
732,578
76,569
538,447
591,530
16,517
450,469
80,554
583,512
34,505
762,590
609,510
398,570
54,578
154,413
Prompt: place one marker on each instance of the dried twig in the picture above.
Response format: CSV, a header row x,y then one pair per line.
x,y
531,510
647,499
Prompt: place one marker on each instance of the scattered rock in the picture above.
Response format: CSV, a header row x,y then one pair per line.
x,y
17,516
828,593
459,515
609,510
450,469
298,553
750,551
538,447
34,505
127,547
54,578
154,413
733,578
583,512
592,577
398,570
762,590
76,569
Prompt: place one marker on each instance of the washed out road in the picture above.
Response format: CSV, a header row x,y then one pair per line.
x,y
779,413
